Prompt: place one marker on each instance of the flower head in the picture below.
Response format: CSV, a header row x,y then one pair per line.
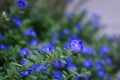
x,y
66,31
23,62
24,52
79,26
101,73
88,50
58,75
99,65
26,72
48,48
57,64
30,32
104,50
72,67
53,42
34,43
88,63
4,47
22,4
17,21
76,45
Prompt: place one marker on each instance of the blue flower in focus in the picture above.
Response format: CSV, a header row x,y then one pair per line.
x,y
99,64
30,32
34,43
57,64
88,63
17,21
58,75
76,45
1,36
66,31
24,52
26,72
104,50
88,50
48,48
72,67
79,27
101,73
23,62
22,4
4,47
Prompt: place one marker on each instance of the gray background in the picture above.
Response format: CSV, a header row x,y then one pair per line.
x,y
109,11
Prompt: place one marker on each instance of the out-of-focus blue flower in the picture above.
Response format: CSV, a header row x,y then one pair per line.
x,y
66,46
69,60
96,24
80,78
1,36
99,64
66,31
101,73
95,17
23,62
72,67
26,72
88,50
55,33
68,15
73,37
24,52
76,45
43,68
17,21
48,48
108,61
113,38
88,63
22,4
53,42
104,50
4,47
79,27
69,1
35,67
57,64
34,43
58,75
30,32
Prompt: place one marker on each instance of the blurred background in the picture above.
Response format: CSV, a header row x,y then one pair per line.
x,y
107,9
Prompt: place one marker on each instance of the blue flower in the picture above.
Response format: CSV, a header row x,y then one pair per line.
x,y
74,37
108,61
101,73
4,47
34,43
99,64
113,38
23,62
48,48
66,31
26,72
55,33
72,67
57,64
24,52
66,46
69,1
22,4
88,50
76,45
88,63
43,68
1,36
104,50
58,75
53,42
79,27
30,32
68,15
17,21
96,24
69,60
80,78
35,67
